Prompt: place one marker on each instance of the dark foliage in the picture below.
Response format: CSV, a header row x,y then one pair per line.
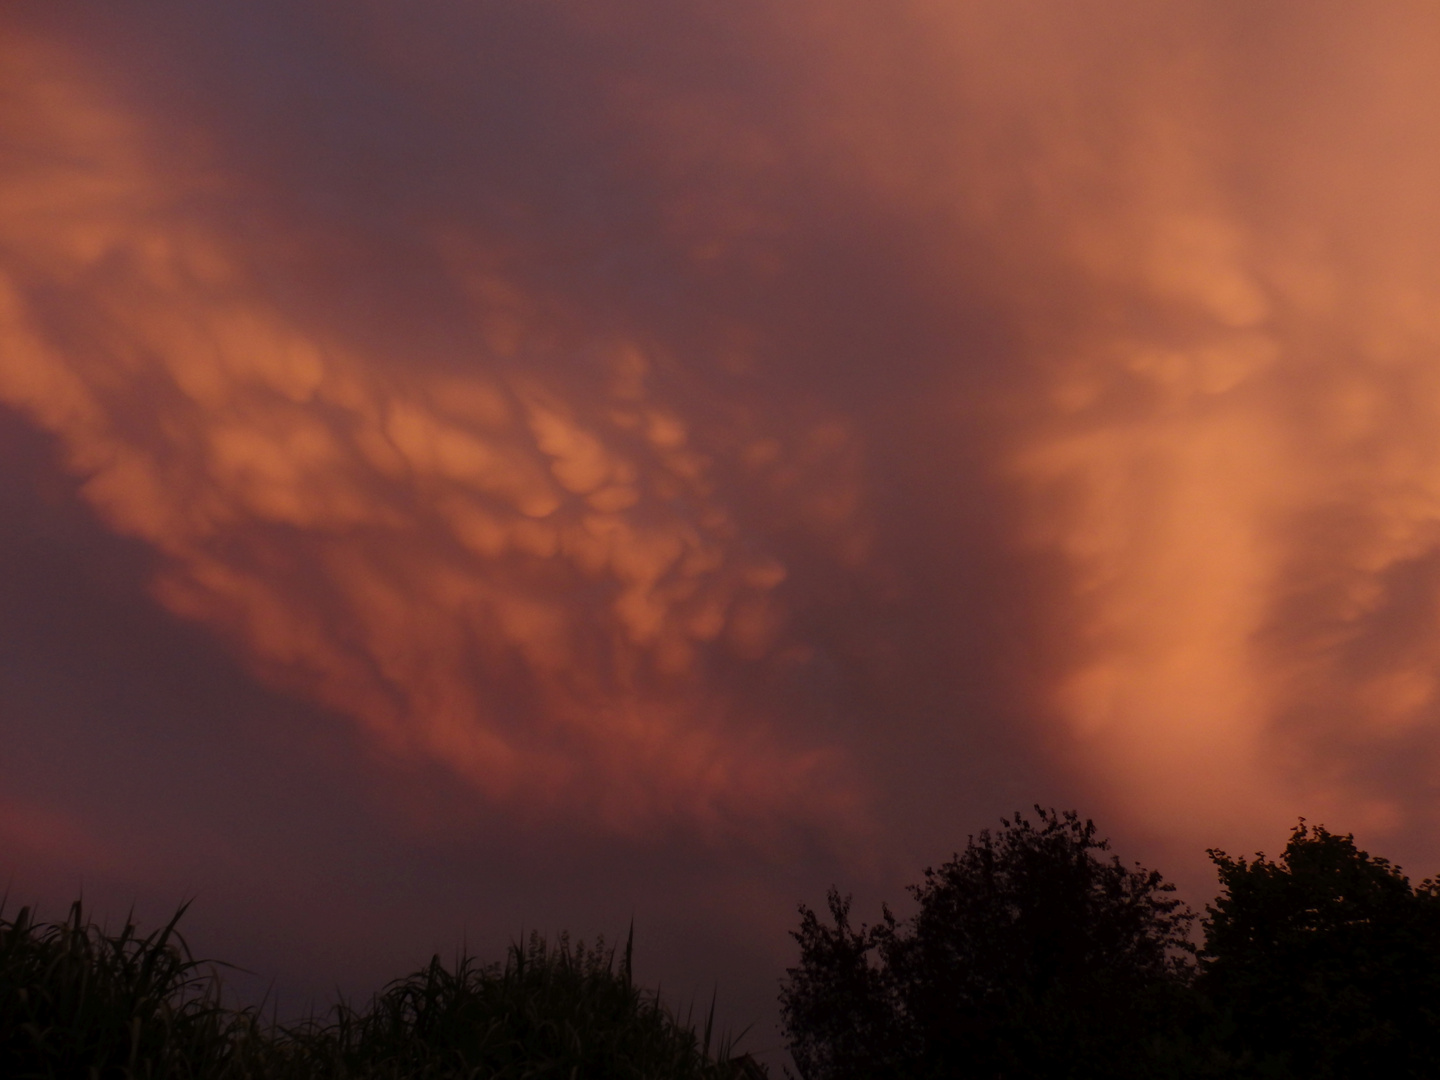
x,y
78,1003
839,1008
1032,954
557,1012
1325,963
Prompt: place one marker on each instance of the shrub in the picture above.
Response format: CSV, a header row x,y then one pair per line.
x,y
78,1002
561,1011
1325,963
1031,954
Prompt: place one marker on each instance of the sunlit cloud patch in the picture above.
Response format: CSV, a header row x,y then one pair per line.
x,y
538,585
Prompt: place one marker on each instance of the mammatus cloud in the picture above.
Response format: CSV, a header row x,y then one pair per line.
x,y
1217,408
571,560
538,583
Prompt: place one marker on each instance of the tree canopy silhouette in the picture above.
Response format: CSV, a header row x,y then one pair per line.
x,y
1325,963
1032,953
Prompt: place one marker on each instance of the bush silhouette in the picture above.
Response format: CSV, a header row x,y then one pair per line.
x,y
558,1011
1325,963
1033,953
78,1002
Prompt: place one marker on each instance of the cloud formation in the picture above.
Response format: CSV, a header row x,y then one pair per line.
x,y
538,582
662,414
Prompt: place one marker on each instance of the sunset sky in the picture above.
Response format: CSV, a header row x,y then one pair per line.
x,y
469,466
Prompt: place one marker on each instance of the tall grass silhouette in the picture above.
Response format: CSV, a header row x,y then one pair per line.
x,y
79,1002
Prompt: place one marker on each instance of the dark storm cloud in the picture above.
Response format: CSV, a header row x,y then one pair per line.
x,y
789,432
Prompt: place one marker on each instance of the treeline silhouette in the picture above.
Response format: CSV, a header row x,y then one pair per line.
x,y
1035,953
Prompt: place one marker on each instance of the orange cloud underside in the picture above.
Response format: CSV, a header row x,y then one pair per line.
x,y
396,544
1220,421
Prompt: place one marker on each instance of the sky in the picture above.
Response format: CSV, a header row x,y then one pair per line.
x,y
472,467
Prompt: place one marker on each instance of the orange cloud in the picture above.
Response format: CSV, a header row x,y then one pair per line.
x,y
1207,232
1170,267
481,565
1228,433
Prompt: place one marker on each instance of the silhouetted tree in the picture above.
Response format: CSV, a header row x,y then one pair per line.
x,y
1032,954
1325,963
839,1008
